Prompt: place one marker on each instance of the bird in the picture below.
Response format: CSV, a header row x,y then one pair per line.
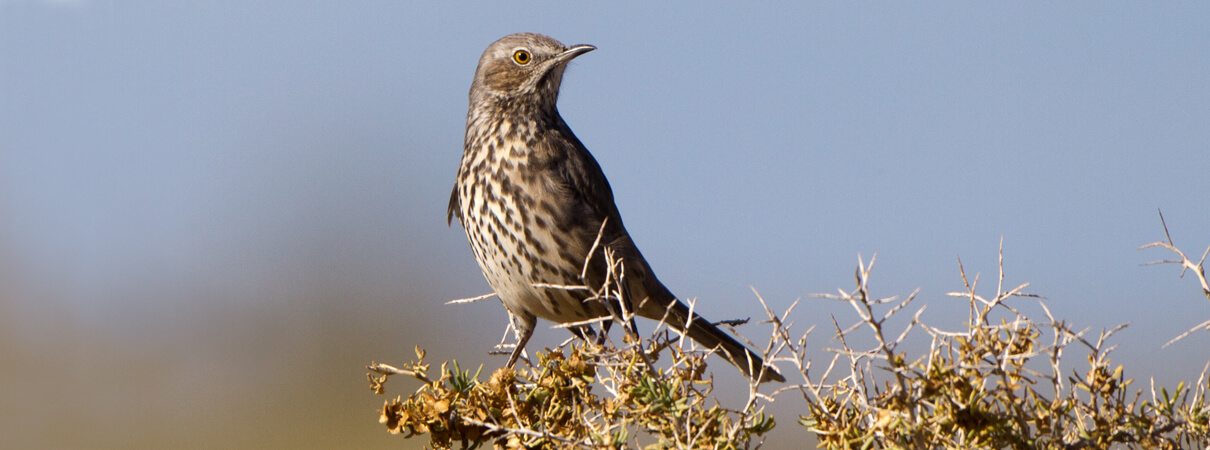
x,y
539,213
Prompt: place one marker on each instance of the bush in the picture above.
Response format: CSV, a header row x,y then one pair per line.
x,y
998,383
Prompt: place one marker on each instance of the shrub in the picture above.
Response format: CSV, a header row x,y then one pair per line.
x,y
999,382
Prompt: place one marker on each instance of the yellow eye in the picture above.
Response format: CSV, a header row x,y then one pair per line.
x,y
522,57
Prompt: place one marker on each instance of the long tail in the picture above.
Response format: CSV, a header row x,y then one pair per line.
x,y
708,335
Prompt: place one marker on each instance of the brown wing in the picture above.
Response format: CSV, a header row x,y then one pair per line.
x,y
590,199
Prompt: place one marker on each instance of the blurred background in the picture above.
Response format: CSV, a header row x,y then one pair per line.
x,y
213,215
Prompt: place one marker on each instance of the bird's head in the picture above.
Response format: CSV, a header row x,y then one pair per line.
x,y
523,66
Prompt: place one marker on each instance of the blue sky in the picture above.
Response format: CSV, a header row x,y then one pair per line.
x,y
205,184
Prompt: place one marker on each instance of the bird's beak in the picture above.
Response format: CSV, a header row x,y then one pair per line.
x,y
573,52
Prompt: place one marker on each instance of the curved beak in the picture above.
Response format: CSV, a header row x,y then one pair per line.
x,y
552,69
572,52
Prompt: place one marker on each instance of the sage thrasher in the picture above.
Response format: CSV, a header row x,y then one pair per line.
x,y
534,204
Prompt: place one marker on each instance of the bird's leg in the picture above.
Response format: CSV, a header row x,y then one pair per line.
x,y
519,349
620,310
523,325
586,332
604,332
625,308
633,330
590,334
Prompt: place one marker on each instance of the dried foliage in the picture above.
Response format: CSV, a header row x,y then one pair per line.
x,y
999,382
591,395
558,403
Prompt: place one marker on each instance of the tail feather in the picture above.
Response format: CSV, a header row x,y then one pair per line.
x,y
710,336
660,304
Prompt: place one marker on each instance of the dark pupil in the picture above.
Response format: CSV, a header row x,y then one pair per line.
x,y
522,56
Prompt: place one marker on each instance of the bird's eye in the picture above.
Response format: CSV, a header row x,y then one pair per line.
x,y
522,57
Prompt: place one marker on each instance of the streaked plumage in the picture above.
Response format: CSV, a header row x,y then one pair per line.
x,y
532,200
